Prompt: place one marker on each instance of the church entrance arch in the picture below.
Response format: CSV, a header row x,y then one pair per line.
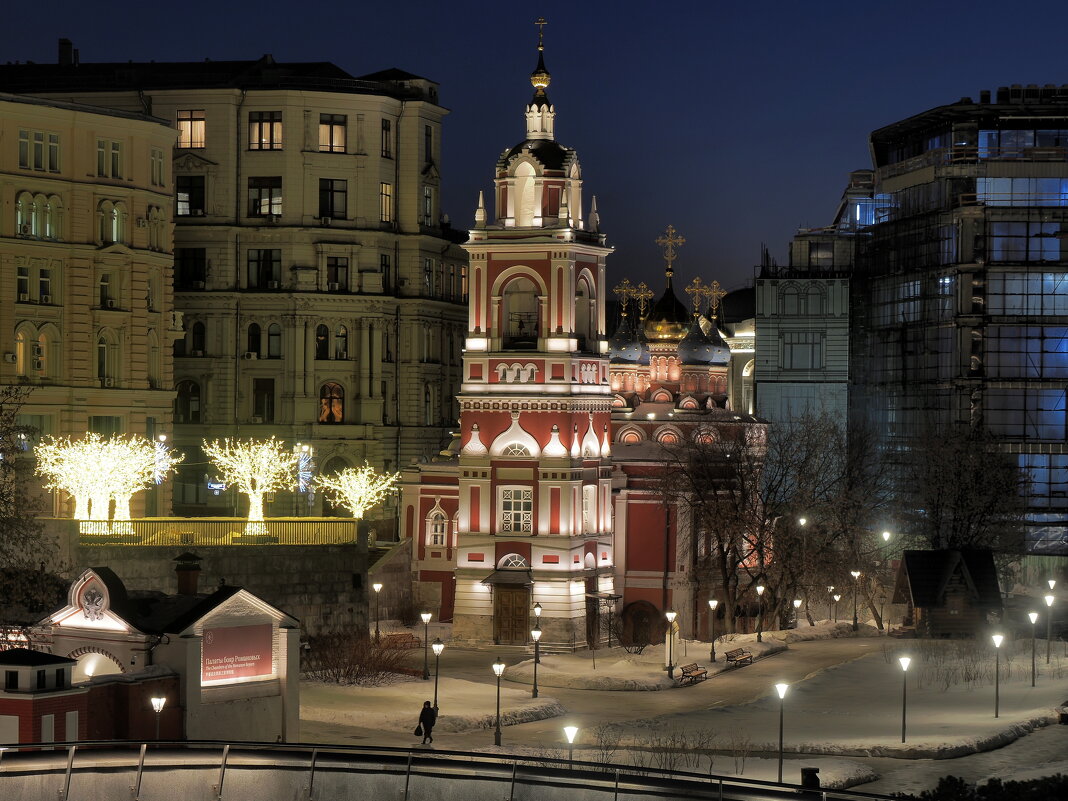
x,y
642,624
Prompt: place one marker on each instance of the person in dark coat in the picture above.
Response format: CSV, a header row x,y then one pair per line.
x,y
428,716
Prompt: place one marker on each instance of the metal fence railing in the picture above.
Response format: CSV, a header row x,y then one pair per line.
x,y
205,532
147,771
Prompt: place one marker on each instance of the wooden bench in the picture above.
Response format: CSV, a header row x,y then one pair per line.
x,y
739,656
693,674
404,639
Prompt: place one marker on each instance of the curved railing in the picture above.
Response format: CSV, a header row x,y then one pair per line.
x,y
223,771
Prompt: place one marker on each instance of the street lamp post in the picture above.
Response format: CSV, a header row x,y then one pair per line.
x,y
856,583
797,608
781,690
1049,621
997,638
671,638
712,604
837,598
378,590
537,622
760,612
157,705
498,671
904,660
535,634
1033,617
438,647
570,732
426,645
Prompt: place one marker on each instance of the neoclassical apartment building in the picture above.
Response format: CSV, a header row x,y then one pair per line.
x,y
322,292
86,309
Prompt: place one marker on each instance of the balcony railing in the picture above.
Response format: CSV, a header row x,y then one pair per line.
x,y
206,532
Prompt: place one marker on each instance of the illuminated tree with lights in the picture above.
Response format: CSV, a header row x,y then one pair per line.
x,y
254,467
95,470
359,489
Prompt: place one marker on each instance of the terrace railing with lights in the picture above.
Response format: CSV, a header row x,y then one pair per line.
x,y
204,532
158,770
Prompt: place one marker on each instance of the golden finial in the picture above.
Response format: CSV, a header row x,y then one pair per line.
x,y
642,294
540,77
669,242
697,291
625,290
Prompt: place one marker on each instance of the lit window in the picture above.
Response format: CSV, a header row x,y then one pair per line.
x,y
428,205
191,126
331,404
436,528
386,196
517,509
332,133
265,130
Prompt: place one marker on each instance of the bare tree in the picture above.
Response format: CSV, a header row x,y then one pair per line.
x,y
30,588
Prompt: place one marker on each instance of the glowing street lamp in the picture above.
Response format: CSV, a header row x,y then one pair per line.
x,y
997,638
1052,583
671,637
498,671
837,598
158,703
425,617
438,647
378,590
904,660
535,634
781,690
537,622
797,607
1049,622
856,582
712,604
570,732
801,521
760,612
1033,617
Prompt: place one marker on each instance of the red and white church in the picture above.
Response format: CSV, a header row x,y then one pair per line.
x,y
547,495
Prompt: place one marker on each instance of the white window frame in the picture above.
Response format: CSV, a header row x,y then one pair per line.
x,y
515,510
437,528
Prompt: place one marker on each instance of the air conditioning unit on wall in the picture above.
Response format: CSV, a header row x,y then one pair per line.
x,y
256,420
251,354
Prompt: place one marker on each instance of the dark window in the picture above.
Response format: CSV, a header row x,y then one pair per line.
x,y
263,399
821,255
274,341
40,679
341,342
190,192
264,268
11,679
105,425
337,273
322,342
254,339
333,198
265,196
61,684
197,339
1025,242
331,403
387,272
332,133
187,402
387,139
428,144
265,130
190,268
802,350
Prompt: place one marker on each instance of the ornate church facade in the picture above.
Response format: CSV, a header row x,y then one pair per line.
x,y
546,499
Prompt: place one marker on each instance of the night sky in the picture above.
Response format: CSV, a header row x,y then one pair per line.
x,y
736,123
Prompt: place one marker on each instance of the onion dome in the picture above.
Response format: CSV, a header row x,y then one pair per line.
x,y
668,319
625,346
701,348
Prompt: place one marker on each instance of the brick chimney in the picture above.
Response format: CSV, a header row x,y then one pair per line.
x,y
188,570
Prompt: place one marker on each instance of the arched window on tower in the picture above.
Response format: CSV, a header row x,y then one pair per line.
x,y
197,339
331,403
524,195
583,330
437,526
519,317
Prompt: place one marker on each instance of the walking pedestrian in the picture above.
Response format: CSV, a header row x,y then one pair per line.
x,y
428,716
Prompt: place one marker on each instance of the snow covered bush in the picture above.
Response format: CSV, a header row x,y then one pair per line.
x,y
352,657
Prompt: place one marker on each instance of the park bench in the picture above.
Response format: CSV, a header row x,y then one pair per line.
x,y
739,656
693,674
403,639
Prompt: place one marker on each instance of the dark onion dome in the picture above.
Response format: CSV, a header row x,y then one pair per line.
x,y
625,347
697,348
668,319
737,306
548,152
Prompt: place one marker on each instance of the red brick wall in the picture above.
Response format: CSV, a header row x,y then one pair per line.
x,y
122,711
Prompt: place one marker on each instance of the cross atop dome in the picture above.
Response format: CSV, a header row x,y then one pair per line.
x,y
669,241
540,78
